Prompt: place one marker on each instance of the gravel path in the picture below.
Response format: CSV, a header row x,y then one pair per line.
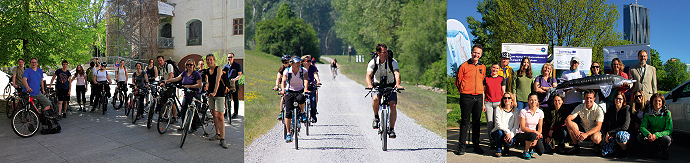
x,y
344,134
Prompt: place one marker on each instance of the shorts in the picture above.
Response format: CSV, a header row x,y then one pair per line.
x,y
290,99
393,97
217,104
62,95
42,99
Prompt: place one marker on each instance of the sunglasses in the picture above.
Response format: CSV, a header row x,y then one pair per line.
x,y
618,99
595,66
190,64
638,96
286,62
507,98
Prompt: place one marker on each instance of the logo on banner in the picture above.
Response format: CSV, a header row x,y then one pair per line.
x,y
543,49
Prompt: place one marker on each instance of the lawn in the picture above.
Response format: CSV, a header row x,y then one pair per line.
x,y
261,102
424,106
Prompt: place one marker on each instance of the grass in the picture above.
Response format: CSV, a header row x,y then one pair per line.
x,y
424,106
261,101
454,112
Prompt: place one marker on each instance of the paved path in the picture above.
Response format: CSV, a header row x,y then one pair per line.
x,y
92,137
344,133
678,151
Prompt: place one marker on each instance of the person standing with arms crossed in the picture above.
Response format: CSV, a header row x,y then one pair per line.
x,y
234,70
468,82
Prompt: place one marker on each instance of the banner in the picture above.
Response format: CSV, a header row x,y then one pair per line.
x,y
165,9
563,55
459,46
627,54
537,53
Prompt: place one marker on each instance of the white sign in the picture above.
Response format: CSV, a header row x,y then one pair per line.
x,y
627,54
458,44
563,55
537,54
165,9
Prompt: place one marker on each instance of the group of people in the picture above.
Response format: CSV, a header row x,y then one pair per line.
x,y
297,75
31,80
519,111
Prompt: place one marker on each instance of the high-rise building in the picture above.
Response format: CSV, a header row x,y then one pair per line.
x,y
636,23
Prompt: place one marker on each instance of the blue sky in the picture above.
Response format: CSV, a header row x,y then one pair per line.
x,y
669,23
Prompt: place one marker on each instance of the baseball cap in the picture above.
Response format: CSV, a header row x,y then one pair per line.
x,y
576,59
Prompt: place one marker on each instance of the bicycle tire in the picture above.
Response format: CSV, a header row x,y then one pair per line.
x,y
104,103
307,109
118,100
153,105
7,91
135,104
10,106
207,119
128,105
25,123
164,117
295,128
187,123
228,105
384,129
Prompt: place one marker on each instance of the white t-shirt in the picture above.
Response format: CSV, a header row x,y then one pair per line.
x,y
572,96
589,116
296,83
121,75
168,69
81,79
530,120
101,76
383,70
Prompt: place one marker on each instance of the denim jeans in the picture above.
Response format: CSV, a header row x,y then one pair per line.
x,y
498,136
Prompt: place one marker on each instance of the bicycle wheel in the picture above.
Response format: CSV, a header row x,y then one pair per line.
x,y
153,105
7,91
207,120
118,100
295,127
135,109
10,106
165,117
284,125
25,123
147,101
128,104
384,130
228,105
104,103
307,109
187,123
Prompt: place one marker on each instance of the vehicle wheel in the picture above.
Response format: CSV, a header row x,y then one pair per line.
x,y
128,105
104,104
10,106
25,123
8,91
164,117
206,120
150,114
187,124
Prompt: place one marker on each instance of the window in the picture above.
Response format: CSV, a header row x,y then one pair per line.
x,y
237,26
194,32
166,31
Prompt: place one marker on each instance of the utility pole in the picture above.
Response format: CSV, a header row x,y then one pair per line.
x,y
349,50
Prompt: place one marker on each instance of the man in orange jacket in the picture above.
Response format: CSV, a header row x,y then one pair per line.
x,y
469,83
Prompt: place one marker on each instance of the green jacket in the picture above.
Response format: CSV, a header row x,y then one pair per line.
x,y
659,124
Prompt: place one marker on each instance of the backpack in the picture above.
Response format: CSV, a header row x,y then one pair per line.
x,y
89,75
389,60
229,84
51,126
176,70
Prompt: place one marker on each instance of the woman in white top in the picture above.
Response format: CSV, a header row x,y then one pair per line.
x,y
531,120
122,77
80,76
505,119
101,76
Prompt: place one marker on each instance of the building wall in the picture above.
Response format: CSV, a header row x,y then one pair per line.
x,y
636,23
216,18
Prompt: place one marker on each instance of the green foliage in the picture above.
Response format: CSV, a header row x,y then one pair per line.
x,y
285,35
660,70
48,30
676,74
577,23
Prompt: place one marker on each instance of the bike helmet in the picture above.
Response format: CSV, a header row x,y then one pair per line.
x,y
104,64
285,58
505,55
296,60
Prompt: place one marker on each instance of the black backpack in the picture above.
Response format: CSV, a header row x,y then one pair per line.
x,y
176,69
389,60
51,126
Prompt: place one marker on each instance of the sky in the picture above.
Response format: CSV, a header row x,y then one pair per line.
x,y
669,23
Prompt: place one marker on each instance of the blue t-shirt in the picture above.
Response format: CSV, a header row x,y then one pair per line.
x,y
62,82
33,79
312,70
190,80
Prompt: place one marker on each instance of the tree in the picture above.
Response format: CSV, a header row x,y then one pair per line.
x,y
660,70
363,24
577,23
422,55
285,35
676,74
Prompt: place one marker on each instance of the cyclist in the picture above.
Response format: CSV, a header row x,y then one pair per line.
x,y
334,67
286,63
33,80
63,88
234,72
385,66
313,79
166,71
140,78
17,73
216,99
190,79
294,81
101,75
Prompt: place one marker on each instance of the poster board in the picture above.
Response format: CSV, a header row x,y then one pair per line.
x,y
537,53
563,55
627,54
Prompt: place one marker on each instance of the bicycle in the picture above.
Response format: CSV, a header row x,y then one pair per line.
x,y
103,102
165,116
228,107
11,103
119,97
27,120
154,97
190,113
334,71
384,111
8,91
295,123
307,107
133,104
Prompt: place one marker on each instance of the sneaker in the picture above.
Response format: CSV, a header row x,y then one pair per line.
x,y
217,137
313,119
64,115
497,154
531,153
288,138
526,156
303,117
222,144
234,116
375,124
391,134
460,150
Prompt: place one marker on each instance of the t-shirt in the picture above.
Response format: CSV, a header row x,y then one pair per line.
x,y
312,71
212,82
101,75
121,75
493,91
296,83
523,87
18,73
81,79
34,80
190,80
163,72
589,116
383,70
531,121
572,96
139,79
62,79
233,70
543,82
